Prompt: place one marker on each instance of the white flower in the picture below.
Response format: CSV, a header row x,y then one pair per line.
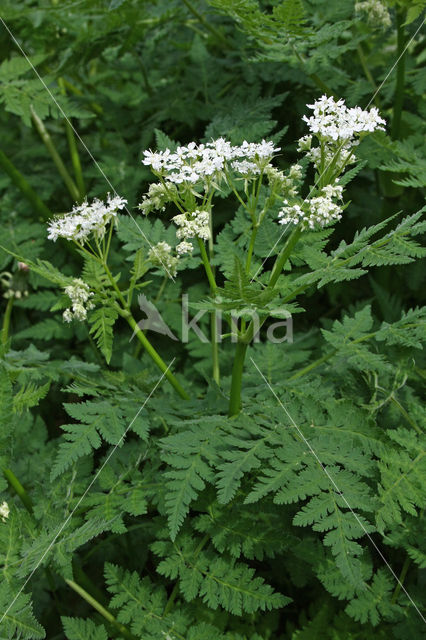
x,y
377,13
67,315
333,121
184,247
79,294
4,511
85,219
319,211
193,225
161,255
200,164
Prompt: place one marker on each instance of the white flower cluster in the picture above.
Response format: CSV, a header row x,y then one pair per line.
x,y
195,224
318,211
377,13
284,183
79,294
158,196
85,219
161,255
4,511
333,121
204,162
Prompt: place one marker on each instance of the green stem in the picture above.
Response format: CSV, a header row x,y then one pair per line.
x,y
402,576
207,267
283,256
154,355
45,136
237,379
313,76
251,246
406,415
400,77
207,25
78,92
171,599
6,321
100,609
19,489
75,158
127,314
20,182
367,72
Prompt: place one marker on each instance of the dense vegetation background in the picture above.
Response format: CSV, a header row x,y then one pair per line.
x,y
169,529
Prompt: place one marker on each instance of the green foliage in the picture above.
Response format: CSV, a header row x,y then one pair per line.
x,y
302,516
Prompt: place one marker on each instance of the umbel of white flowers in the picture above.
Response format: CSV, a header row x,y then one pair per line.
x,y
338,129
85,219
79,294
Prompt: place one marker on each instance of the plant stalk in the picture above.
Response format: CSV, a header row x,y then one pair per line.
x,y
19,489
20,182
100,609
6,321
400,77
63,171
127,314
75,158
237,379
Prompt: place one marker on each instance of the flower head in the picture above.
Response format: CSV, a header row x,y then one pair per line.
x,y
332,121
161,255
85,219
79,294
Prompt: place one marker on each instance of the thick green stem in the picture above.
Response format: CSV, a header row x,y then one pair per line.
x,y
100,609
400,77
20,182
75,158
63,171
240,352
19,489
237,379
6,321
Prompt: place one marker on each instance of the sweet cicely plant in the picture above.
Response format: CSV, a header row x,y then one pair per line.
x,y
190,179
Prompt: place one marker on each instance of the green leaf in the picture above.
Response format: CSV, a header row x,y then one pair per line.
x,y
102,321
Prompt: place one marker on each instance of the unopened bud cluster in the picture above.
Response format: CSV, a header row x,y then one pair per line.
x,y
79,294
161,255
376,12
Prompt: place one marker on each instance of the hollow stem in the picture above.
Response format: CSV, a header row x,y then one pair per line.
x,y
100,609
6,321
237,379
19,489
63,171
400,77
402,576
20,182
283,256
207,25
72,144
